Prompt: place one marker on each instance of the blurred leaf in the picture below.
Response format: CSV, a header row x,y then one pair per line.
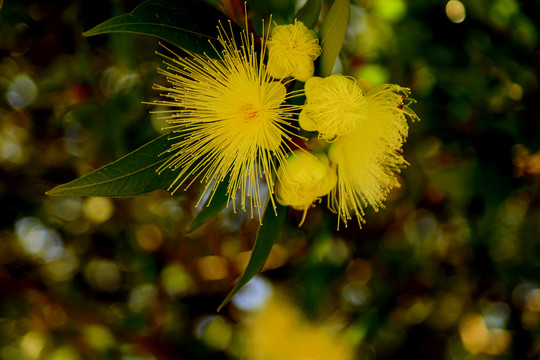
x,y
332,35
309,13
178,22
267,235
132,175
217,201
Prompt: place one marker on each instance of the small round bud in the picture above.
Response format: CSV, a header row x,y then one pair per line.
x,y
291,51
303,179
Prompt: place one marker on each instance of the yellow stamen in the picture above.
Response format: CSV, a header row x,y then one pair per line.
x,y
368,159
230,122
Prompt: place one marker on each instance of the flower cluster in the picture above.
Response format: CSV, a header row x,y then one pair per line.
x,y
234,123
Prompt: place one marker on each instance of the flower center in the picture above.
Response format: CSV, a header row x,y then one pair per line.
x,y
250,113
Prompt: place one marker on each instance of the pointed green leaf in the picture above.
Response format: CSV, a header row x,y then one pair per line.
x,y
309,13
266,237
213,205
332,35
132,175
188,24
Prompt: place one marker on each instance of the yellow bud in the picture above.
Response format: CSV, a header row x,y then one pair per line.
x,y
304,179
292,50
334,107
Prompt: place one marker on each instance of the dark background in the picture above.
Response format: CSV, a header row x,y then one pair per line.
x,y
450,269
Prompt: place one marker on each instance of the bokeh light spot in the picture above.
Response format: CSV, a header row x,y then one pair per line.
x,y
214,331
515,91
254,295
278,257
37,240
63,268
390,10
103,275
116,80
32,344
338,252
141,297
371,75
477,338
67,208
98,209
496,315
213,267
455,10
64,353
21,92
149,237
98,337
175,280
355,294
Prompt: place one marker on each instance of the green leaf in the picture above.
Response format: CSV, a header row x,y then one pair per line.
x,y
132,175
188,24
332,35
213,205
266,237
309,13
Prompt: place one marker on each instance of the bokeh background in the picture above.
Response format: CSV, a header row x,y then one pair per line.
x,y
450,269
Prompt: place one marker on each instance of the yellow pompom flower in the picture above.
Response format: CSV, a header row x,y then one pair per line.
x,y
368,158
279,331
291,51
229,118
335,105
304,179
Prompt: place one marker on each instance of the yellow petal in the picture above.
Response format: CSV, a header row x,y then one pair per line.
x,y
335,152
303,179
306,122
311,84
303,71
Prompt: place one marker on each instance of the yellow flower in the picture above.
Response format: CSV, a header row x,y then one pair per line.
x,y
335,105
368,158
304,179
229,119
292,50
279,331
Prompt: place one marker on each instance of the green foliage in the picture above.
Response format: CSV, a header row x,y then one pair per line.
x,y
332,35
132,175
266,237
172,21
309,13
215,203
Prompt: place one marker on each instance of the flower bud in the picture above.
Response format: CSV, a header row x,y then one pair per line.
x,y
291,51
334,107
303,179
